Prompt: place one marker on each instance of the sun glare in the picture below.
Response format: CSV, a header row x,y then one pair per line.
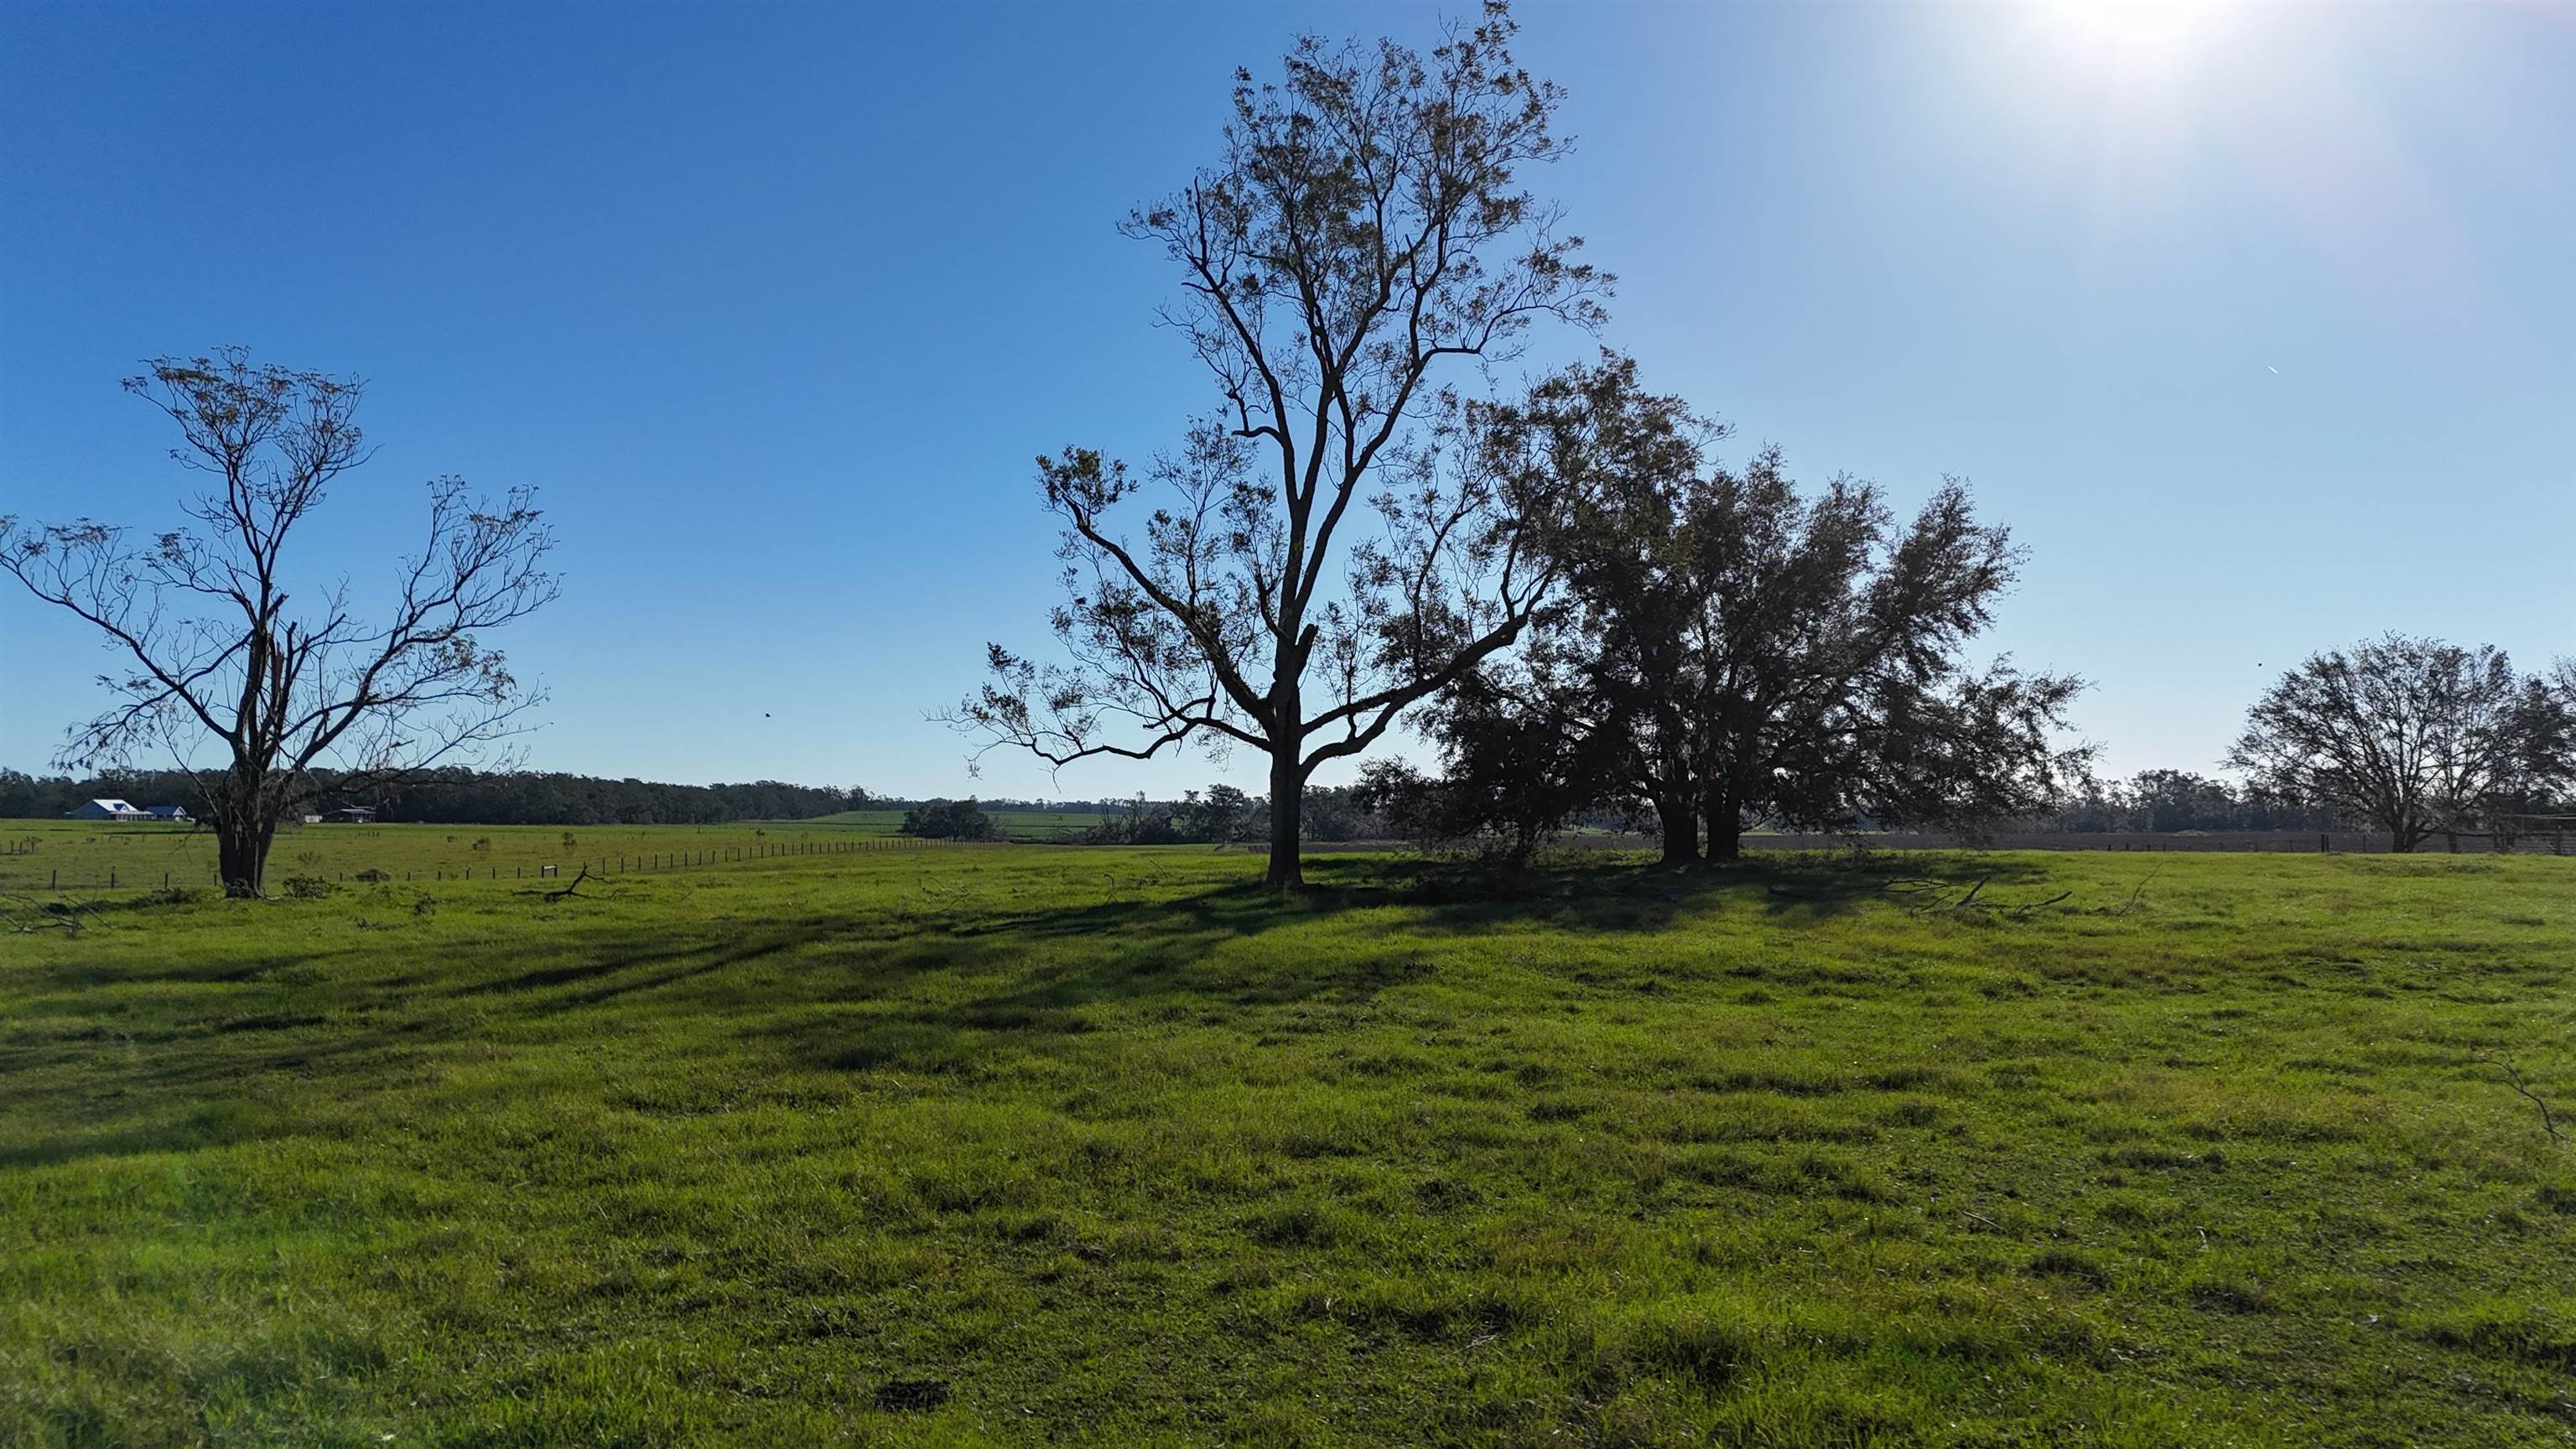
x,y
2137,33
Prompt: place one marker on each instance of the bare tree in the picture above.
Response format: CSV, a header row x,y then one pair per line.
x,y
1362,227
210,654
2413,735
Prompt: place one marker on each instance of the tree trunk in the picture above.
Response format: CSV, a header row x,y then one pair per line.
x,y
1287,814
241,855
1725,825
1681,827
2403,836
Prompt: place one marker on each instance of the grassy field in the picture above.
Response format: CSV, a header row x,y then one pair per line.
x,y
38,855
1028,1145
1033,825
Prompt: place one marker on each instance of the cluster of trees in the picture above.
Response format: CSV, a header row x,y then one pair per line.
x,y
455,795
1727,650
950,820
1593,611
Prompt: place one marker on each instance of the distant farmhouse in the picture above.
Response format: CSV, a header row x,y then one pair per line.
x,y
107,810
350,815
170,812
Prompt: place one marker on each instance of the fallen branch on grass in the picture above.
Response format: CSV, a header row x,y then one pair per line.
x,y
25,916
2020,911
2513,1078
572,885
2133,895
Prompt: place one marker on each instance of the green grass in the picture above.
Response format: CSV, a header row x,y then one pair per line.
x,y
1029,1145
1031,825
79,854
84,857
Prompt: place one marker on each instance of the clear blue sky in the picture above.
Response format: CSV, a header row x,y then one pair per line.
x,y
2258,325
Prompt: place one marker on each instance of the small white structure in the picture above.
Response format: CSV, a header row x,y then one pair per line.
x,y
169,812
107,810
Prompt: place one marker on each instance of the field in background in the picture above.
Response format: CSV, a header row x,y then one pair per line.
x,y
75,855
85,856
1033,825
1011,1146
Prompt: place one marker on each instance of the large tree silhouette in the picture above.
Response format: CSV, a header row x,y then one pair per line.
x,y
1731,650
209,652
1333,544
2415,736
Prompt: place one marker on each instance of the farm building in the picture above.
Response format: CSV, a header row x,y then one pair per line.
x,y
351,815
106,810
169,812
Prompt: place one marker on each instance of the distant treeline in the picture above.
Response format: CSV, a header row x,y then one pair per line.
x,y
469,797
2152,801
1219,815
2166,802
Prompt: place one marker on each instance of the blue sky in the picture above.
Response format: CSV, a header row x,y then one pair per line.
x,y
2256,323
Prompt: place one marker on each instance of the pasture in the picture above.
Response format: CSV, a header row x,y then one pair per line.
x,y
1021,1145
1028,825
78,855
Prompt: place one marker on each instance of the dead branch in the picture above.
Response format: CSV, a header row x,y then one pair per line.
x,y
1970,901
2513,1078
25,916
2133,895
572,885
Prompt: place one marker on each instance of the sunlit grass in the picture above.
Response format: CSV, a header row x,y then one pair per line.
x,y
91,858
1022,1145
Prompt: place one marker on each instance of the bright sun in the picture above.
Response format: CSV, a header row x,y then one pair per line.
x,y
2139,33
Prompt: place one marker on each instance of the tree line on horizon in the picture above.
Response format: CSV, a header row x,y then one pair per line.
x,y
456,795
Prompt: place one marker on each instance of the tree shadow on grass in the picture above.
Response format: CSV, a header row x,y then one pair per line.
x,y
179,1077
1174,952
948,990
1596,897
